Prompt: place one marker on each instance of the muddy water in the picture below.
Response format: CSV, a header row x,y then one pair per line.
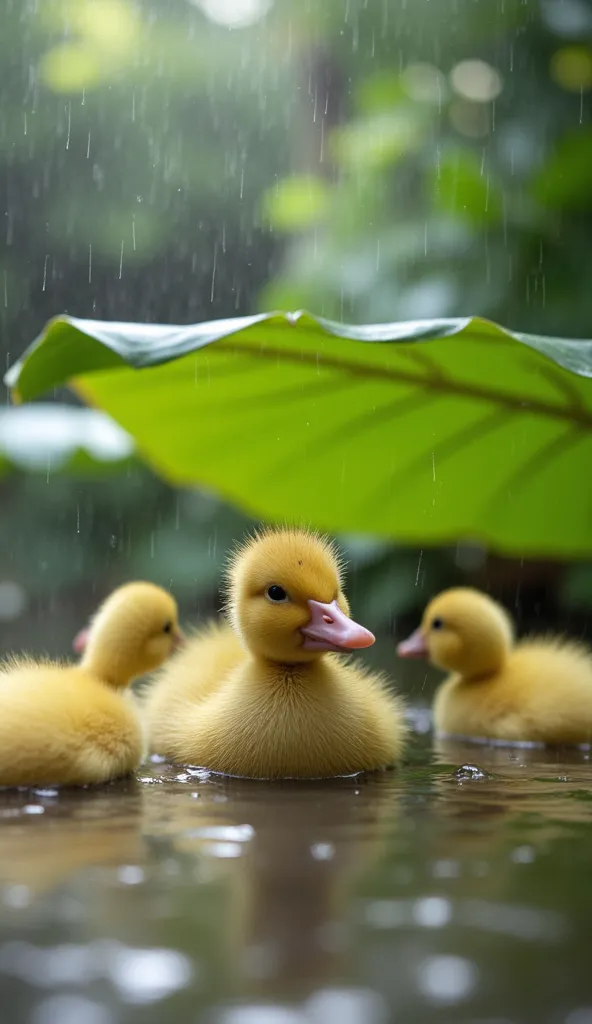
x,y
427,894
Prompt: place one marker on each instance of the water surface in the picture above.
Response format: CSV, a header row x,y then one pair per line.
x,y
424,894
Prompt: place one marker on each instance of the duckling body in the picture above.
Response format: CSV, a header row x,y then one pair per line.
x,y
76,724
542,694
254,700
537,690
60,724
242,716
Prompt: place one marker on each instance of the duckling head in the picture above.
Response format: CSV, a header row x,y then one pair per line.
x,y
132,633
285,598
462,631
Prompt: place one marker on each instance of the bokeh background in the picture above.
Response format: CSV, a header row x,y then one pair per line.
x,y
180,160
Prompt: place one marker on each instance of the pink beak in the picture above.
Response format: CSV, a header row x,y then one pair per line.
x,y
80,641
330,630
414,646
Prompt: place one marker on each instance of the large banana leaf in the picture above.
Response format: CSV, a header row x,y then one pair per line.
x,y
477,432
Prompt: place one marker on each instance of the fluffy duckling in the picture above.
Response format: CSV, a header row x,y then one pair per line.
x,y
268,696
74,724
537,690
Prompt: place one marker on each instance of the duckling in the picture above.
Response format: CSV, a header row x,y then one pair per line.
x,y
266,695
538,690
74,724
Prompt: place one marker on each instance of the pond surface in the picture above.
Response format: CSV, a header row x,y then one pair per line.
x,y
427,894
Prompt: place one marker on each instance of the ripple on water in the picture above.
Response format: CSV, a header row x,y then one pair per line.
x,y
130,874
222,833
527,923
140,976
263,1014
446,980
70,1009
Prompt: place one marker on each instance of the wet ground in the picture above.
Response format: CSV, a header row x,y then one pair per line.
x,y
426,894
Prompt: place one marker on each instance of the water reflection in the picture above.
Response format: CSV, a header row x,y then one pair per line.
x,y
49,836
193,897
290,860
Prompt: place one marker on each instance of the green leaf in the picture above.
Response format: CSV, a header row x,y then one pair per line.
x,y
377,141
564,181
296,203
427,431
59,438
463,189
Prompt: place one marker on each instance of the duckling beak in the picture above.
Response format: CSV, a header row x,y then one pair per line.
x,y
330,630
178,638
80,641
414,646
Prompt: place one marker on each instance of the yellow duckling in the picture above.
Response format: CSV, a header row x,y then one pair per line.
x,y
74,724
268,696
537,690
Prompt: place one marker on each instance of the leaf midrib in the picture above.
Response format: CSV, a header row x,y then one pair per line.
x,y
570,413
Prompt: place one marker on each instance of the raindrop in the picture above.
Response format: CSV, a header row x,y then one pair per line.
x,y
69,126
213,285
523,855
148,975
432,912
322,851
223,833
202,774
418,568
130,874
470,772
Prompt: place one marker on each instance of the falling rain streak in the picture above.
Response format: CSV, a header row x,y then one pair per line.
x,y
372,162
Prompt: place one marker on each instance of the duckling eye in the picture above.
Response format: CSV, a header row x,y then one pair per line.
x,y
276,594
437,623
167,628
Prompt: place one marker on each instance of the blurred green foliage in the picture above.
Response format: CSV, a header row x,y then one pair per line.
x,y
158,165
460,181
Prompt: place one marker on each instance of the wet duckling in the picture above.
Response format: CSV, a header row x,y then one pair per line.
x,y
268,695
75,724
538,690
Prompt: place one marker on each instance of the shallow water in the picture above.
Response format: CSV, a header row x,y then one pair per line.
x,y
427,894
